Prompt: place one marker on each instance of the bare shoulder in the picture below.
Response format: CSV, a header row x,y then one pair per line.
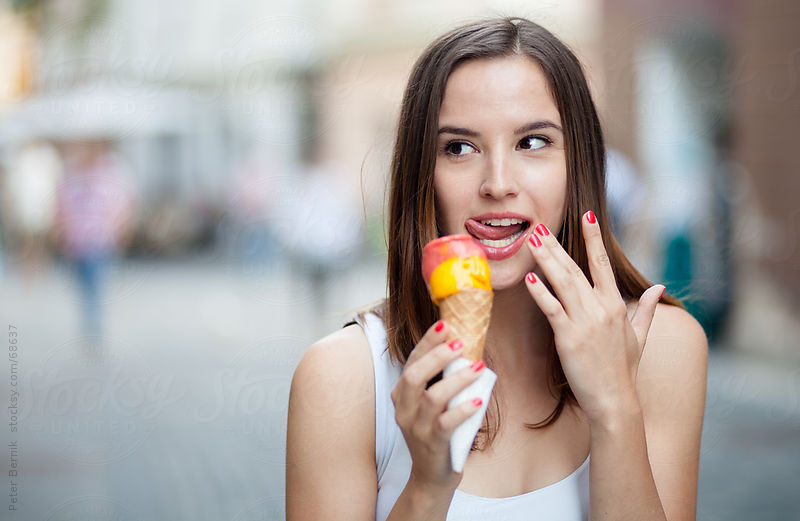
x,y
330,443
676,342
341,357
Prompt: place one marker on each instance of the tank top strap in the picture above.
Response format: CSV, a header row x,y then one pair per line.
x,y
386,376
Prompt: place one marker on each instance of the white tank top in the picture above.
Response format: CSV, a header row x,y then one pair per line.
x,y
565,500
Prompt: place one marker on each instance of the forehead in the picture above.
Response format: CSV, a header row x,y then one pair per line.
x,y
509,86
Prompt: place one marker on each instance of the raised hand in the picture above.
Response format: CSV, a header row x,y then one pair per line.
x,y
599,347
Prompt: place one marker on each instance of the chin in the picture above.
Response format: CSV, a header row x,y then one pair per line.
x,y
511,272
503,281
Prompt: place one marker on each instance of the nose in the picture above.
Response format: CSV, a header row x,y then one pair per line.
x,y
498,180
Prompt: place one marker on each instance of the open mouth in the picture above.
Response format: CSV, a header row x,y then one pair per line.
x,y
497,232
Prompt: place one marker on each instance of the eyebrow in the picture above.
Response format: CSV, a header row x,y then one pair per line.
x,y
535,125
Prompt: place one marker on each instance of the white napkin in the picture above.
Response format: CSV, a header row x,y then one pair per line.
x,y
464,435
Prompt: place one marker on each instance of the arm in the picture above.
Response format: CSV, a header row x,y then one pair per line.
x,y
330,444
645,459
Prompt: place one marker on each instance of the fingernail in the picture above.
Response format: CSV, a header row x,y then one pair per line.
x,y
542,230
531,278
477,365
590,217
456,344
534,240
439,326
477,402
662,292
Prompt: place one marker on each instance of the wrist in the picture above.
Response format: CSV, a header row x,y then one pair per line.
x,y
430,495
618,415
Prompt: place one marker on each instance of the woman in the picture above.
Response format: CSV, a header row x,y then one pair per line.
x,y
498,137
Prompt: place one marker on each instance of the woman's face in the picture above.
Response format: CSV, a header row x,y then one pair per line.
x,y
500,165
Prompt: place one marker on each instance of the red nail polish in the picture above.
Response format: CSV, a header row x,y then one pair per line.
x,y
456,344
534,240
477,365
477,402
590,217
542,230
439,326
532,278
662,293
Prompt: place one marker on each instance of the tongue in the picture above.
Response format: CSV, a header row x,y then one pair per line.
x,y
482,231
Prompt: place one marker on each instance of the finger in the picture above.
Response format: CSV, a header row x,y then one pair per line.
x,y
435,335
599,263
447,422
438,395
565,277
645,309
550,306
411,384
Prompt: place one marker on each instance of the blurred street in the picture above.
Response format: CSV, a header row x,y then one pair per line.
x,y
181,412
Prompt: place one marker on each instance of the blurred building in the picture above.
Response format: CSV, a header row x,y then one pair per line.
x,y
184,90
721,77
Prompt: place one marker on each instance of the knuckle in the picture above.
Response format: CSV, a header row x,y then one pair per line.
x,y
440,425
562,280
602,260
429,399
444,354
467,376
550,311
408,379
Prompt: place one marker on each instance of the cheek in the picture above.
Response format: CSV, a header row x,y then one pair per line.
x,y
549,187
451,201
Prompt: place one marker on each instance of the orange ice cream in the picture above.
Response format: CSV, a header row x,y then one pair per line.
x,y
453,263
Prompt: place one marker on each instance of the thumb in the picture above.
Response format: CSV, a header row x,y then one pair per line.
x,y
643,316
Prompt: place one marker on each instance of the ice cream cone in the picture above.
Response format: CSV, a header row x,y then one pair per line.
x,y
467,314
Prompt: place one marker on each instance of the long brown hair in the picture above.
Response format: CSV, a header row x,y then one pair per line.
x,y
408,312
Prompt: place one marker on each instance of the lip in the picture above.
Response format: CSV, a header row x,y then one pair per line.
x,y
504,252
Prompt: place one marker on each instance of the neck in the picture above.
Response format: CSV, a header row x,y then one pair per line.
x,y
519,335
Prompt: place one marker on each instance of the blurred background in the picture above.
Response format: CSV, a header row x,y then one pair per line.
x,y
191,193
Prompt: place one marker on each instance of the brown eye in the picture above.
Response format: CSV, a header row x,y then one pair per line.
x,y
459,148
533,142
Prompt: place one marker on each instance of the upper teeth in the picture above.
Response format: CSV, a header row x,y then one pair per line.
x,y
501,222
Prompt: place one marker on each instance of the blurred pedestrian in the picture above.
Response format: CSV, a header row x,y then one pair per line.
x,y
325,235
29,204
253,191
94,223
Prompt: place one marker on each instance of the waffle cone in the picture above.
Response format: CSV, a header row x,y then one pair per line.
x,y
467,315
